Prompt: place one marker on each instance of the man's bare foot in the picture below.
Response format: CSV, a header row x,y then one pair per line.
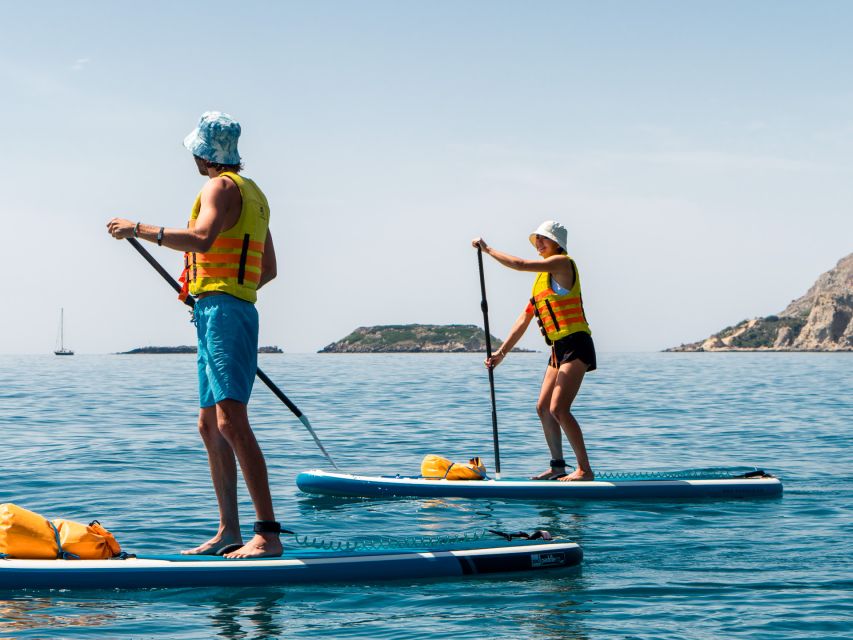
x,y
551,474
260,546
578,475
212,546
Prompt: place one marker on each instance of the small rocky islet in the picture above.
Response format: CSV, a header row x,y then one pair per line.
x,y
184,349
414,338
819,320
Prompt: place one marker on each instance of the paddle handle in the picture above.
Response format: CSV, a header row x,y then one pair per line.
x,y
484,305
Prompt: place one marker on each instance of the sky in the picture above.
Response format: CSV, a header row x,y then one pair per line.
x,y
699,154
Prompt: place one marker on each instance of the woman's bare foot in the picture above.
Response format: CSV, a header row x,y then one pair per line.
x,y
212,546
578,475
262,545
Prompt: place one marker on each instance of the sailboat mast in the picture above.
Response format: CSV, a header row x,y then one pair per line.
x,y
62,351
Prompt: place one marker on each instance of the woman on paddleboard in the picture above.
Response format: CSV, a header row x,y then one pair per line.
x,y
557,305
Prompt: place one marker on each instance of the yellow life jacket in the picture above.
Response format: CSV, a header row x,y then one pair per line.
x,y
558,315
24,534
233,264
437,467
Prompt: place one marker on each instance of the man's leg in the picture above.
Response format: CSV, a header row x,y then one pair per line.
x,y
223,472
566,389
233,421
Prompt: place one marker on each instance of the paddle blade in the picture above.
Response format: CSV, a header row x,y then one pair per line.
x,y
308,426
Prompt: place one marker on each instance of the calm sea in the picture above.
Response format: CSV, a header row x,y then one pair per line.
x,y
114,438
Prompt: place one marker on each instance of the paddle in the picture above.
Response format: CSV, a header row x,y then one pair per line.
x,y
485,307
190,301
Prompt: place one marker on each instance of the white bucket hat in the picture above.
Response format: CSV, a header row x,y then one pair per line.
x,y
553,231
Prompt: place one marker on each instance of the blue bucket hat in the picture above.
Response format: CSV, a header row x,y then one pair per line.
x,y
215,138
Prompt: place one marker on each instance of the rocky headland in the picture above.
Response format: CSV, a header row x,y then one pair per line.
x,y
820,320
414,338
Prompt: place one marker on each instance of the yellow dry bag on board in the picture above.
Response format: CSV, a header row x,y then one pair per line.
x,y
24,534
437,467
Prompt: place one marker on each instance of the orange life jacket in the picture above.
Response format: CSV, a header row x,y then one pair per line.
x,y
558,315
233,264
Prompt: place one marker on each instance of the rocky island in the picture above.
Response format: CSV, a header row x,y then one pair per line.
x,y
820,320
414,338
184,349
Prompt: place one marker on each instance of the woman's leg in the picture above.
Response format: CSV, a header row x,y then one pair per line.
x,y
568,382
550,426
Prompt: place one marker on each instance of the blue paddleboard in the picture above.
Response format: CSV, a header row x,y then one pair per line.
x,y
294,567
688,485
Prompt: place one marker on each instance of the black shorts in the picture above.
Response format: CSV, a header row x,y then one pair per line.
x,y
576,346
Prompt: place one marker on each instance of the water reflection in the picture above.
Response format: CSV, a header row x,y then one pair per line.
x,y
233,613
30,613
247,614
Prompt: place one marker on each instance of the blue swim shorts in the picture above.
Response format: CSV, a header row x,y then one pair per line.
x,y
227,329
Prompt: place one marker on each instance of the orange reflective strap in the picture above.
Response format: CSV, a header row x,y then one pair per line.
x,y
565,303
184,279
237,243
551,315
200,272
567,315
548,324
227,258
185,285
564,321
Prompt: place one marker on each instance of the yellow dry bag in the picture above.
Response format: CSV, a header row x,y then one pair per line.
x,y
87,541
24,534
437,467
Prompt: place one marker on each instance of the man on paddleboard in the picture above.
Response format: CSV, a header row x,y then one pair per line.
x,y
557,305
228,256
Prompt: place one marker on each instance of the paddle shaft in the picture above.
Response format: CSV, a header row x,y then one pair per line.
x,y
190,302
484,305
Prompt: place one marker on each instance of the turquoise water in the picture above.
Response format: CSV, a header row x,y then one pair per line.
x,y
114,438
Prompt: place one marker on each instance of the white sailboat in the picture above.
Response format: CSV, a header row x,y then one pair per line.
x,y
62,351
